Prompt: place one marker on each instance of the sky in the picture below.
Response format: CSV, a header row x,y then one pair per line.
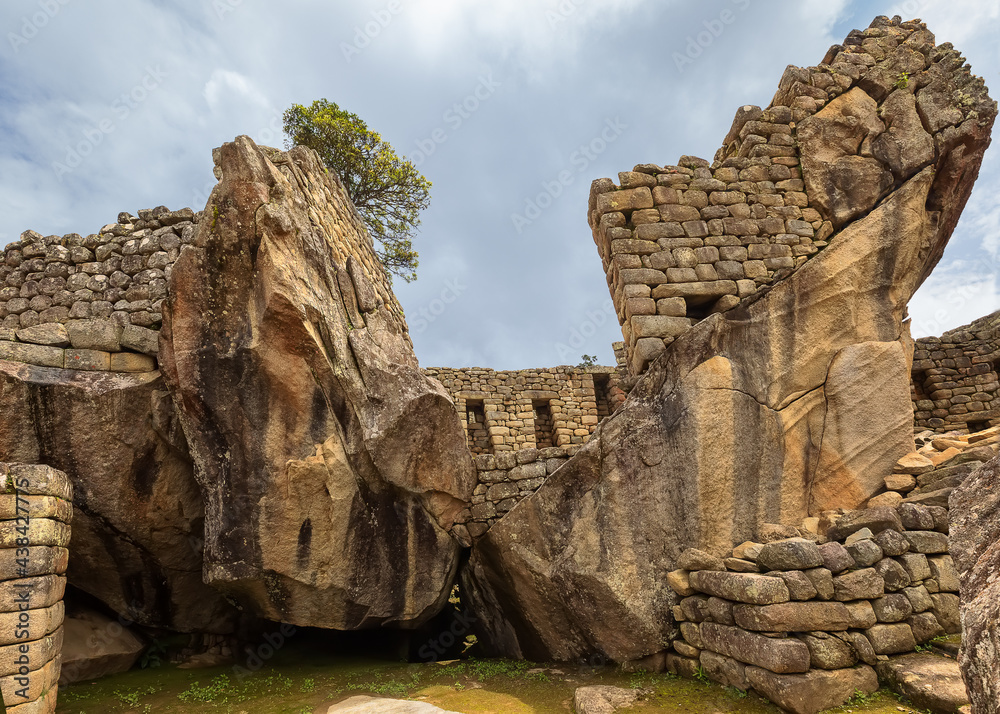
x,y
509,108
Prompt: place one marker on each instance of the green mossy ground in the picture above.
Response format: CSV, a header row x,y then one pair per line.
x,y
300,680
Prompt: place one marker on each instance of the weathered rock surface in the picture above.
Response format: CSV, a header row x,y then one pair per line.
x,y
601,699
761,414
332,469
929,681
95,646
377,705
137,524
975,547
815,690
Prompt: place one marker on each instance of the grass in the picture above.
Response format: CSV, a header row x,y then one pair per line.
x,y
302,681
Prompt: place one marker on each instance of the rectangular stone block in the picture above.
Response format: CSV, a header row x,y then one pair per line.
x,y
697,292
35,592
927,542
781,655
12,506
635,247
730,270
793,617
89,360
676,213
681,275
31,354
41,561
39,531
815,690
656,231
662,260
100,335
750,588
724,670
36,652
942,568
674,307
48,334
863,584
661,326
35,480
891,639
40,622
646,276
625,200
132,362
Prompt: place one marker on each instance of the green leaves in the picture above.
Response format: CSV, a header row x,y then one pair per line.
x,y
386,188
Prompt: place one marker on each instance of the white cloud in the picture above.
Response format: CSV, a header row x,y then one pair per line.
x,y
954,295
225,83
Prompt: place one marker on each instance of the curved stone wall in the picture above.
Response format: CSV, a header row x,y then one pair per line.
x,y
35,513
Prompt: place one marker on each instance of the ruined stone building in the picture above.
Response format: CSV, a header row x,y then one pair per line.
x,y
955,378
248,434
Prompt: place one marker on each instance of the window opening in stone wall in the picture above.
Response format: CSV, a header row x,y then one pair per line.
x,y
918,381
975,426
602,395
479,435
544,427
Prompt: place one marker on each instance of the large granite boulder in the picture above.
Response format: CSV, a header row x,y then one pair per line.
x,y
974,509
761,414
332,469
138,513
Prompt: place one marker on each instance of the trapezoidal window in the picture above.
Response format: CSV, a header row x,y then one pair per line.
x,y
544,425
602,395
478,434
975,426
919,378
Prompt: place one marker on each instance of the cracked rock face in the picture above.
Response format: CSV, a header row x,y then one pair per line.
x,y
764,413
974,508
331,468
137,527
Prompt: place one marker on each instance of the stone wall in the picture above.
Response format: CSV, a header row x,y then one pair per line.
x,y
681,242
35,513
504,479
803,620
955,383
94,302
530,409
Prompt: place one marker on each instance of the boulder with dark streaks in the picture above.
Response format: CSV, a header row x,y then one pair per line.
x,y
332,469
138,513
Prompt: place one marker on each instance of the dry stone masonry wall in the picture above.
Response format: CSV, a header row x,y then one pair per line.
x,y
504,479
955,378
35,513
91,302
803,620
681,242
530,409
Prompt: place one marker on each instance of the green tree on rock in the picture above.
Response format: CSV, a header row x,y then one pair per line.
x,y
386,188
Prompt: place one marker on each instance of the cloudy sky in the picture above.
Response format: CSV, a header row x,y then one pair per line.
x,y
109,106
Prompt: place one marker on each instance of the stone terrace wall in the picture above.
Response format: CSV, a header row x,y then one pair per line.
x,y
504,479
793,619
35,513
681,242
803,620
521,426
955,385
98,295
530,409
